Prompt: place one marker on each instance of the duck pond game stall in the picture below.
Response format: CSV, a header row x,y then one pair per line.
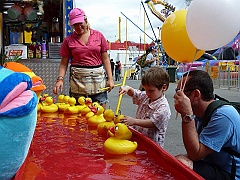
x,y
66,147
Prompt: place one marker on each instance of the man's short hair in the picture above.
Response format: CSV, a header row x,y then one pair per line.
x,y
198,79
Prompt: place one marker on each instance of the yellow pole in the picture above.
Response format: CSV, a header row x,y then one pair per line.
x,y
106,88
119,29
120,96
126,44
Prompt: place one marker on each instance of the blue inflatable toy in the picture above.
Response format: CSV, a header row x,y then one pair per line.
x,y
18,117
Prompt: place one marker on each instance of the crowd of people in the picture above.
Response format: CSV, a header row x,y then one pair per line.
x,y
87,49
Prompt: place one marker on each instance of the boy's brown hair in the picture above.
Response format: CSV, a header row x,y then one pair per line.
x,y
157,77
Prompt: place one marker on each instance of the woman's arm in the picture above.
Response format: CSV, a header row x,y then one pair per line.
x,y
107,66
61,73
63,67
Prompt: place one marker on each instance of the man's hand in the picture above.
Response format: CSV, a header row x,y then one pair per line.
x,y
182,103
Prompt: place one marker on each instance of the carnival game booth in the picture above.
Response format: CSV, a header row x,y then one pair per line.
x,y
65,146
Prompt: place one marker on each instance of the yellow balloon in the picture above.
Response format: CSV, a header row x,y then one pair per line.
x,y
175,39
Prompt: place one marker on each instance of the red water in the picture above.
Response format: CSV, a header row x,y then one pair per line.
x,y
66,148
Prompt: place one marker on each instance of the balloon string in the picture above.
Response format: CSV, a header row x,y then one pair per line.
x,y
182,85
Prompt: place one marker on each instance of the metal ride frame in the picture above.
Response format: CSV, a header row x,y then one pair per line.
x,y
168,9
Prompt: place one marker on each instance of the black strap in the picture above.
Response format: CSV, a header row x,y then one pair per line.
x,y
211,108
207,116
87,67
233,154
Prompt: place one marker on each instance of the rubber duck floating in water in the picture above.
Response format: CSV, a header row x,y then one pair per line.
x,y
50,107
82,103
62,107
91,113
60,100
86,109
72,109
117,144
97,117
104,126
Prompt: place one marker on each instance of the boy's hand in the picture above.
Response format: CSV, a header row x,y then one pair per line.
x,y
123,90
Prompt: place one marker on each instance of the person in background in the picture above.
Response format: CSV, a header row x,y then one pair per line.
x,y
120,68
153,111
117,70
87,49
151,61
205,145
112,66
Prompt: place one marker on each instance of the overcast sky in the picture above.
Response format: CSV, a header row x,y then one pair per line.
x,y
103,15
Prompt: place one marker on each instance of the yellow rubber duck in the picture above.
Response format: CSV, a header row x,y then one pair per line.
x,y
104,126
39,105
42,99
120,131
72,109
97,117
62,107
109,115
81,101
117,119
86,109
60,100
93,106
50,106
117,144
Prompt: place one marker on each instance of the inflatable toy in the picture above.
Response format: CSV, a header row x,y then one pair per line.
x,y
37,83
50,107
18,117
97,117
117,144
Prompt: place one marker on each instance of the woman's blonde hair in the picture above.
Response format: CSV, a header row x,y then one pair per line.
x,y
88,25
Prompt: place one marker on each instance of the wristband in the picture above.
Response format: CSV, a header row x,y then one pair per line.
x,y
58,80
60,77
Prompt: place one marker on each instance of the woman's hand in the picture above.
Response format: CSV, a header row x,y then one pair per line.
x,y
110,84
58,86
